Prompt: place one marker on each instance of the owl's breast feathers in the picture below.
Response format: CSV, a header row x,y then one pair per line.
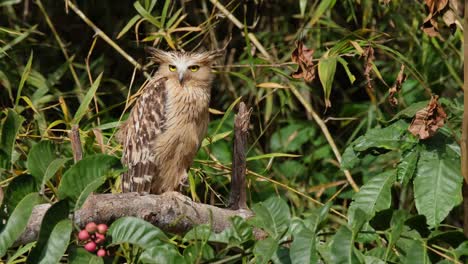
x,y
162,135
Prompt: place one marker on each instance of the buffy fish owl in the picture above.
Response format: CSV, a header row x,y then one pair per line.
x,y
166,126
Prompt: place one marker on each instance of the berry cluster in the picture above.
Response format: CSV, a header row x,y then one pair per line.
x,y
93,236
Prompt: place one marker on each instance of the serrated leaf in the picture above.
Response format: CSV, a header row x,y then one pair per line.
x,y
264,250
437,185
18,221
374,196
86,171
272,215
10,129
40,157
326,72
83,108
136,231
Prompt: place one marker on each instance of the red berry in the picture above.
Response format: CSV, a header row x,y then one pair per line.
x,y
102,228
100,238
91,227
90,246
101,252
83,235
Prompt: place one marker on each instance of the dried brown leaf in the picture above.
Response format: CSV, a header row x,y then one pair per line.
x,y
369,57
427,120
303,56
397,86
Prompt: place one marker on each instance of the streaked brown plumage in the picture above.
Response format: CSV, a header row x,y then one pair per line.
x,y
168,122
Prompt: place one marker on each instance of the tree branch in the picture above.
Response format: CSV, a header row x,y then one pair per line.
x,y
172,212
238,197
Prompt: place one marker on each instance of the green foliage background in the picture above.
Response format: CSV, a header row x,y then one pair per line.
x,y
57,70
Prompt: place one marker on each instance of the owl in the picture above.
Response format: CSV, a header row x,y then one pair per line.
x,y
167,124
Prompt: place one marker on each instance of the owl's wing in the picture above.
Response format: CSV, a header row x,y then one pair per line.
x,y
137,136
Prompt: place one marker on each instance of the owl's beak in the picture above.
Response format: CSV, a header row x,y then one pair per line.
x,y
181,76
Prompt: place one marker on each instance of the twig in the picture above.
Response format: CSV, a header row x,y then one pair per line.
x,y
326,133
103,35
238,198
464,137
74,136
63,48
239,25
171,211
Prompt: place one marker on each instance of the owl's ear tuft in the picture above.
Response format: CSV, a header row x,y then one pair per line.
x,y
157,55
216,54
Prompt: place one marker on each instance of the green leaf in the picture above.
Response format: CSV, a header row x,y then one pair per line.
x,y
24,77
410,111
374,196
416,253
18,221
239,232
91,187
10,129
386,138
86,172
437,185
52,169
81,256
342,247
18,188
20,252
318,12
211,140
273,155
83,108
272,215
198,252
139,8
264,250
407,166
291,138
56,244
53,235
164,253
303,246
136,231
351,77
199,232
40,157
326,72
396,224
127,27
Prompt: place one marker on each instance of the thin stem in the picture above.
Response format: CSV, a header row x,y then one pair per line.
x,y
326,133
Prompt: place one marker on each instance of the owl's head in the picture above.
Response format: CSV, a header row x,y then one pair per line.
x,y
186,67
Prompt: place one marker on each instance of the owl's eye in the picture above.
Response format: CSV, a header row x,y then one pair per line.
x,y
194,68
172,68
